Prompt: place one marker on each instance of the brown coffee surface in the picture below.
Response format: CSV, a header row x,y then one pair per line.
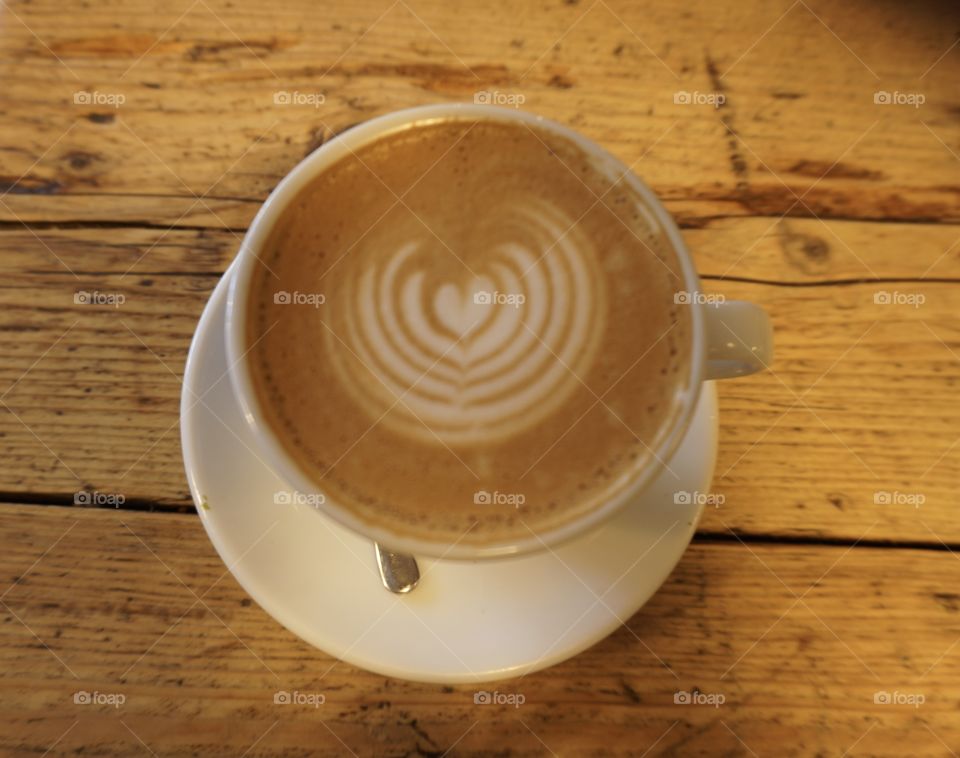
x,y
467,331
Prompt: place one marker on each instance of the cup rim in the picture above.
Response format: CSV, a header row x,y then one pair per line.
x,y
271,447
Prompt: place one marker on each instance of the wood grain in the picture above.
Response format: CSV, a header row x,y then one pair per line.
x,y
798,677
199,136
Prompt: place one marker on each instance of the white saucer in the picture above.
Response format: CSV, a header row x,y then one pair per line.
x,y
466,621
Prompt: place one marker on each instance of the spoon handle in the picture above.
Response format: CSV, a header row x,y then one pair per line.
x,y
399,572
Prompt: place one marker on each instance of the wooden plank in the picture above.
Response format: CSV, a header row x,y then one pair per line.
x,y
860,401
808,251
199,118
785,251
108,209
798,677
854,429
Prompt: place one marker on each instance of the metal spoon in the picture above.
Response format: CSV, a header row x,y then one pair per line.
x,y
399,572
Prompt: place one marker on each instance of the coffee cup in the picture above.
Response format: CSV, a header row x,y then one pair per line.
x,y
458,351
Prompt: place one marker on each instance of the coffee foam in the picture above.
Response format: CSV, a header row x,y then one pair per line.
x,y
406,396
482,357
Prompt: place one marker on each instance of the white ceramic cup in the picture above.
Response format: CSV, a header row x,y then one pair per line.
x,y
730,338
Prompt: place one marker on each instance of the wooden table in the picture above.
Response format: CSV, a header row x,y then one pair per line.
x,y
137,142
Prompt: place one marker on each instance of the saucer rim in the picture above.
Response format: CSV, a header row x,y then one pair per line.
x,y
278,610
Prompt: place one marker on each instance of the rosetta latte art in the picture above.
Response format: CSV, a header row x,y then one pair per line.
x,y
478,357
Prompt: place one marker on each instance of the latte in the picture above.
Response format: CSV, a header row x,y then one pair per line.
x,y
467,331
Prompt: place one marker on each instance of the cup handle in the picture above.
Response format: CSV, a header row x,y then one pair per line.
x,y
739,339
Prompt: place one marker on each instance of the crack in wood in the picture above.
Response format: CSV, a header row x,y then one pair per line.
x,y
725,110
701,536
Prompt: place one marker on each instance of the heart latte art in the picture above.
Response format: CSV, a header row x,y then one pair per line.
x,y
479,358
465,331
